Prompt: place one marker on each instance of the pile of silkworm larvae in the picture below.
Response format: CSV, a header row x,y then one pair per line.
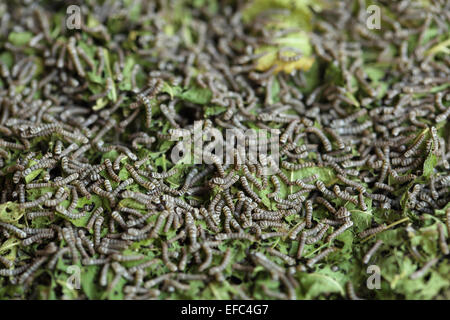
x,y
64,159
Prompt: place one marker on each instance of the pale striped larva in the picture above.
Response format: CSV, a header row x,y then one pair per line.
x,y
38,237
351,291
371,251
442,240
20,233
422,271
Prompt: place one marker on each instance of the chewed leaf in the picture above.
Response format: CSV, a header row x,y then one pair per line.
x,y
284,12
20,38
10,212
298,41
197,95
315,284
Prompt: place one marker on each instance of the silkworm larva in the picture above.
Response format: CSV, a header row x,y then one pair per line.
x,y
296,230
97,229
442,240
422,271
37,237
31,269
328,205
104,275
208,258
372,231
13,272
319,236
371,251
343,195
311,262
351,291
20,233
289,260
225,262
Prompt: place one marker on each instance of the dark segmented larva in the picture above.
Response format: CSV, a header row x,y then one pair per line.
x,y
8,263
44,163
289,260
297,166
42,235
251,178
146,184
319,236
208,258
343,195
159,223
233,236
413,149
99,191
326,143
268,235
36,214
308,214
296,230
97,230
352,183
74,56
13,272
110,170
249,191
80,247
124,184
118,218
94,217
94,262
327,205
170,265
311,262
217,270
31,269
372,231
66,180
322,188
20,233
361,201
301,246
69,237
52,262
